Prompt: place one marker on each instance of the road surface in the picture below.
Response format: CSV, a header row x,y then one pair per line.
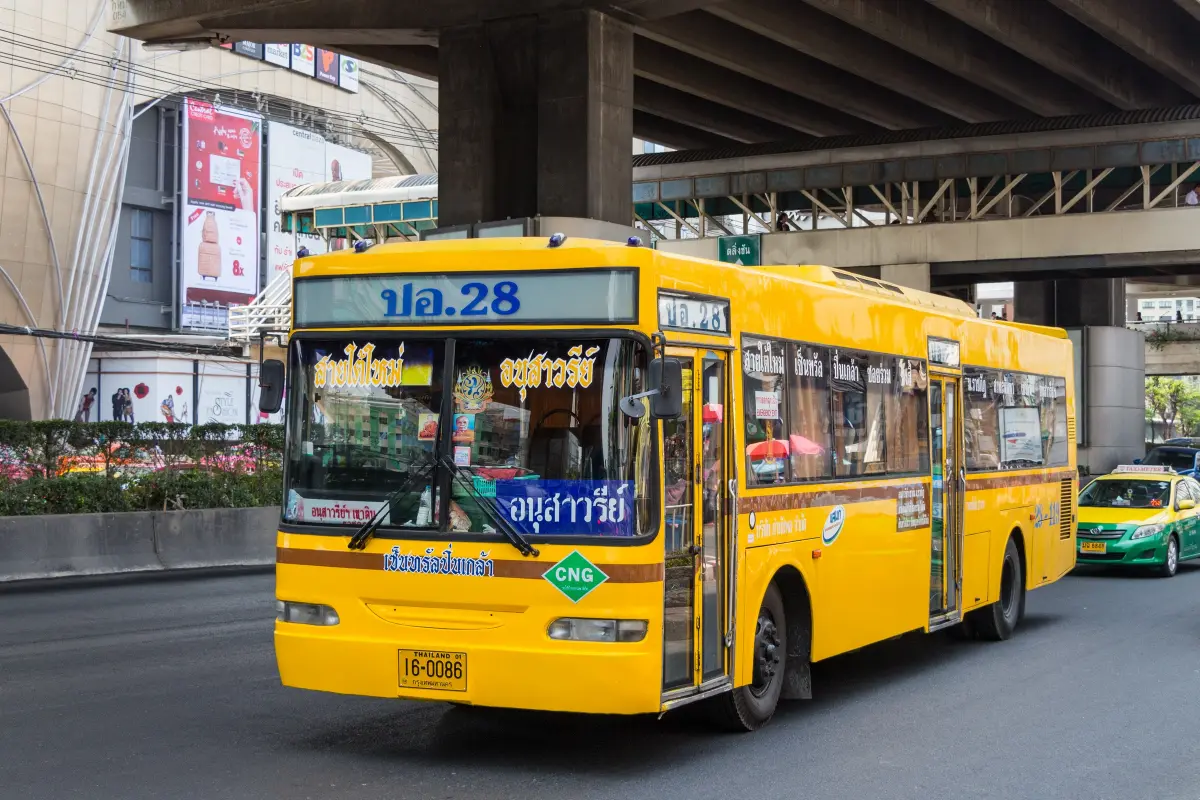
x,y
168,690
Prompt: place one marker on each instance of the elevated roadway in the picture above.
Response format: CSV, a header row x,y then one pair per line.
x,y
169,689
709,73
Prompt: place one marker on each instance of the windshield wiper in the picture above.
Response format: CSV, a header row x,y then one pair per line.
x,y
512,534
359,540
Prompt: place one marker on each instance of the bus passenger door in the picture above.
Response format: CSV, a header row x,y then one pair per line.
x,y
698,529
946,545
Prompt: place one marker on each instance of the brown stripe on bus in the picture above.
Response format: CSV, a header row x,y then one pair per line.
x,y
1012,481
348,559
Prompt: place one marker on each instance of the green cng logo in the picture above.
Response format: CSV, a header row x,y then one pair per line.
x,y
575,576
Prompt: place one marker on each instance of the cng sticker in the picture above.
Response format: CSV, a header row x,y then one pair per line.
x,y
833,525
575,576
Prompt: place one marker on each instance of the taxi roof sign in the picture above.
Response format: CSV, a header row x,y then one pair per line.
x,y
1158,470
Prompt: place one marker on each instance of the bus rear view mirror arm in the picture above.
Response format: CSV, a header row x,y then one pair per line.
x,y
666,402
270,386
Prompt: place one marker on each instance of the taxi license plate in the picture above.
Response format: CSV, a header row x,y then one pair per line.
x,y
1092,547
437,670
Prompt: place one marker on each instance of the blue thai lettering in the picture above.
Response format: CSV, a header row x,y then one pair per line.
x,y
445,564
429,303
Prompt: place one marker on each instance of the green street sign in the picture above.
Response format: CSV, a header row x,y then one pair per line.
x,y
575,576
743,250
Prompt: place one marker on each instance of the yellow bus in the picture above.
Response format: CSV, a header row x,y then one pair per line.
x,y
572,475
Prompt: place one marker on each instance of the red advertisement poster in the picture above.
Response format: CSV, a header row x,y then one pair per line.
x,y
220,237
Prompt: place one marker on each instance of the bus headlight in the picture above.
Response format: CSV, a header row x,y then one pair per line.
x,y
305,613
1147,531
598,630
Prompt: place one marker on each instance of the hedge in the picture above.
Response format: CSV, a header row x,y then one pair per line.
x,y
64,467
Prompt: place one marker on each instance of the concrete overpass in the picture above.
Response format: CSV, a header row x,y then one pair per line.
x,y
540,98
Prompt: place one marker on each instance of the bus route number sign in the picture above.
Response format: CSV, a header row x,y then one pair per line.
x,y
681,312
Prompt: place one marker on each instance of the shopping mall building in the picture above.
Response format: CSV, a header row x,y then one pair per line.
x,y
139,201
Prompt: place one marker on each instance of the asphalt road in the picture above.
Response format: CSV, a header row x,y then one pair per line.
x,y
169,690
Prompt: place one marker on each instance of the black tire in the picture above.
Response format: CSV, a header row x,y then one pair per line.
x,y
1170,564
996,622
748,708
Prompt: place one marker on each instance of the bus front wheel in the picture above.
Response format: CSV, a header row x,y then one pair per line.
x,y
748,708
998,621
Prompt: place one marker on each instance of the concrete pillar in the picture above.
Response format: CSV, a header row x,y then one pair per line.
x,y
913,276
1071,303
536,117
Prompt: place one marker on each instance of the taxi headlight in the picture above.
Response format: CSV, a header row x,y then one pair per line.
x,y
1146,531
598,630
305,613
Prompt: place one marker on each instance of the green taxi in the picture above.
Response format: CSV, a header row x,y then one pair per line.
x,y
1139,516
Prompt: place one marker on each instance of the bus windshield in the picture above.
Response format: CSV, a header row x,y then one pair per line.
x,y
527,428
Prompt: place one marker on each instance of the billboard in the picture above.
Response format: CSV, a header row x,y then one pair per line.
x,y
220,238
278,54
295,157
349,74
328,68
251,49
304,59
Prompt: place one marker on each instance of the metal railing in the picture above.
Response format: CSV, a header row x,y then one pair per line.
x,y
269,312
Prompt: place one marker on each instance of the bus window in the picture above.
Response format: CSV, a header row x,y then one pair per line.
x,y
767,447
908,419
808,411
861,384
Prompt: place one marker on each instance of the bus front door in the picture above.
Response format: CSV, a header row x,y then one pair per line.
x,y
949,488
698,531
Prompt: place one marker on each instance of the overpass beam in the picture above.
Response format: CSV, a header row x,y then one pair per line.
x,y
1073,303
740,50
827,38
673,134
925,32
1060,43
536,117
663,101
706,80
1159,35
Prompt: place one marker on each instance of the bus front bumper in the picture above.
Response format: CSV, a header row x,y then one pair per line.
x,y
587,677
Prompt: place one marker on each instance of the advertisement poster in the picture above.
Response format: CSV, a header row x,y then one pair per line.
x,y
304,59
1021,435
278,54
349,74
328,68
249,49
295,157
219,242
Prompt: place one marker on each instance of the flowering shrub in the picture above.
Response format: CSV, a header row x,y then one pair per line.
x,y
63,467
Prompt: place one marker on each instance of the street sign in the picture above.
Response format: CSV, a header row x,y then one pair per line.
x,y
575,576
742,250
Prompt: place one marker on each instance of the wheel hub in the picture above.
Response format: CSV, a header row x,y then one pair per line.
x,y
767,657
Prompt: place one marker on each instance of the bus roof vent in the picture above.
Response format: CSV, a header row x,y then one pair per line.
x,y
862,283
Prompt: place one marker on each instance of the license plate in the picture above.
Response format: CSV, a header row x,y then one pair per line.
x,y
1092,547
437,670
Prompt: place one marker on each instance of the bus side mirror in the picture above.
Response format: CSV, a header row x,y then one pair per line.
x,y
270,386
667,374
666,399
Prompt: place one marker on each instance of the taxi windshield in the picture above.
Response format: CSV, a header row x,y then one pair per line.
x,y
1126,494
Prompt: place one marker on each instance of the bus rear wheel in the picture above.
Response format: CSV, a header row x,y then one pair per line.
x,y
748,708
998,621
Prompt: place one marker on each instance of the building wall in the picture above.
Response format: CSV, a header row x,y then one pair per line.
x,y
70,134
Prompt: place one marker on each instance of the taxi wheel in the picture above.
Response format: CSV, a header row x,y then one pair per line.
x,y
998,621
1171,563
748,708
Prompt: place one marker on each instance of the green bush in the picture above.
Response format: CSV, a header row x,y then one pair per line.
x,y
63,467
